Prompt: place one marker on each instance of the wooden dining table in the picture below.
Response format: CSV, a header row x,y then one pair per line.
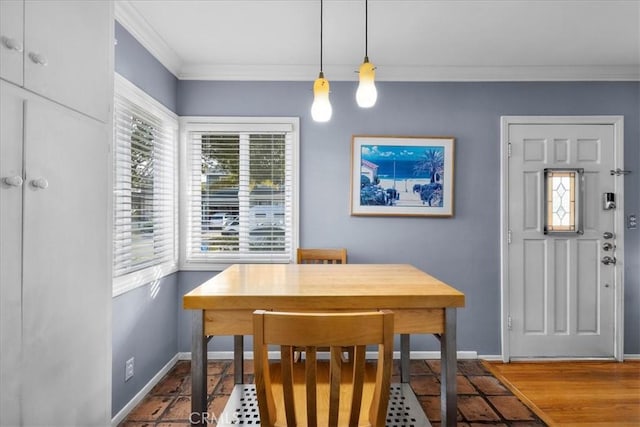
x,y
421,303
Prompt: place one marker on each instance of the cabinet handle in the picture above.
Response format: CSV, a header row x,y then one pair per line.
x,y
40,183
11,44
38,58
13,181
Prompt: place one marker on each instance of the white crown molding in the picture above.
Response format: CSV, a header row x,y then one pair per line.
x,y
264,72
129,17
510,73
411,74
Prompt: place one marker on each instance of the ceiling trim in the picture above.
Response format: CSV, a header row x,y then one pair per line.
x,y
129,17
415,74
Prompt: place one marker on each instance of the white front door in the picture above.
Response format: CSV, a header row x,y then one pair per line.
x,y
564,250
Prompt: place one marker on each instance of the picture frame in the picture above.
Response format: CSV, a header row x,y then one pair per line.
x,y
402,175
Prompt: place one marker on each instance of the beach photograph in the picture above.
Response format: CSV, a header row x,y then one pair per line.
x,y
407,175
402,175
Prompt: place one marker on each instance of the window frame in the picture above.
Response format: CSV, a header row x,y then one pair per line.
x,y
141,99
198,123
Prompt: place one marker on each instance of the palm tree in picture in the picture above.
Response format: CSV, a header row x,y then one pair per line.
x,y
432,163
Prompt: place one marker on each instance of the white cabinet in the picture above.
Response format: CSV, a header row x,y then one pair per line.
x,y
62,53
11,176
56,91
11,40
55,259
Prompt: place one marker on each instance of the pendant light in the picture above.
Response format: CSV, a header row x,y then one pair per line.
x,y
367,94
321,108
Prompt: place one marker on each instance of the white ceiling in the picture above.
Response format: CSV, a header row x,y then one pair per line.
x,y
409,40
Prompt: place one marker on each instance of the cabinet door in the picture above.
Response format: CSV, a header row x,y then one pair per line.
x,y
67,53
10,253
66,268
11,42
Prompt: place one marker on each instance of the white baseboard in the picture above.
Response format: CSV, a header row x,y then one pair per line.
x,y
490,357
122,414
248,355
498,358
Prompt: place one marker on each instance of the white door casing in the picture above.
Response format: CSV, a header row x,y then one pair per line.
x,y
558,299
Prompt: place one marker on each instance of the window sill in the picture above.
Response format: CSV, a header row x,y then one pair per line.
x,y
140,278
208,265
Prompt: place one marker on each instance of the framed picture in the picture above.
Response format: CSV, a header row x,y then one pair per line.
x,y
402,176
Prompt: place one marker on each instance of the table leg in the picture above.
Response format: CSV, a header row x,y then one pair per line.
x,y
448,368
238,359
199,341
405,351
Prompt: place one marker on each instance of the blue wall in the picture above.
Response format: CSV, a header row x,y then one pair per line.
x,y
145,325
137,65
463,250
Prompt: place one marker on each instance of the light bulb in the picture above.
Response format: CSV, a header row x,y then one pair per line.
x,y
366,95
321,108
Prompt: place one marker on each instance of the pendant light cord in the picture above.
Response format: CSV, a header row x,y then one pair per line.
x,y
366,28
321,9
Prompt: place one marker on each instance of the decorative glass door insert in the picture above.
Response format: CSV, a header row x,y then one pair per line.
x,y
563,197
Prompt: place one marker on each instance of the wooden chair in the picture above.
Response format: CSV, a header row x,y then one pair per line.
x,y
312,393
322,256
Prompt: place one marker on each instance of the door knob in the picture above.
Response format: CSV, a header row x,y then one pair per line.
x,y
13,181
607,235
607,260
40,183
607,246
38,58
11,44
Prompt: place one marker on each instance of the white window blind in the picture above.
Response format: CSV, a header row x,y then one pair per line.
x,y
145,196
240,192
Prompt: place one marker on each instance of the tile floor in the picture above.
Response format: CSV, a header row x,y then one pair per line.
x,y
482,399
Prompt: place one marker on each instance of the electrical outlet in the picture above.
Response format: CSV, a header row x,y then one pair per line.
x,y
632,222
128,369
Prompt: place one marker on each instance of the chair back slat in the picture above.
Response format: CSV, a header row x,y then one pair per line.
x,y
378,408
335,380
286,356
264,390
358,384
311,380
322,256
319,398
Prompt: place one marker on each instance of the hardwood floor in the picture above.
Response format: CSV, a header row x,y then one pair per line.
x,y
573,393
